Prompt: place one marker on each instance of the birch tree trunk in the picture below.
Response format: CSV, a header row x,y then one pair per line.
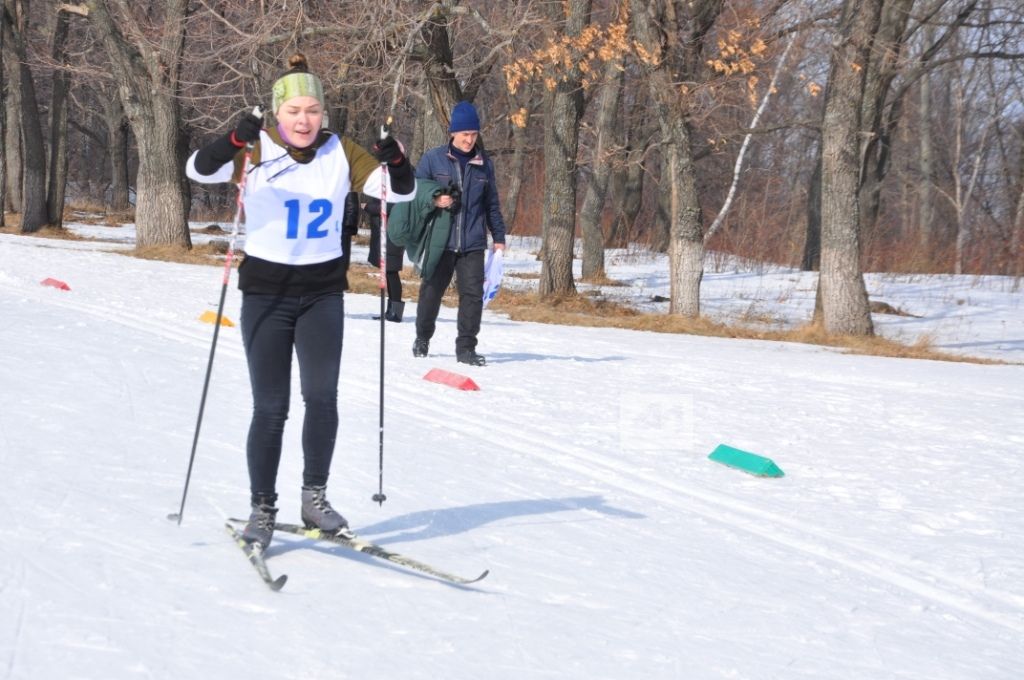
x,y
675,61
844,295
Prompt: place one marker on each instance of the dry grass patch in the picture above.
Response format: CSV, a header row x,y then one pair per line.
x,y
601,279
584,311
45,232
923,348
204,254
365,280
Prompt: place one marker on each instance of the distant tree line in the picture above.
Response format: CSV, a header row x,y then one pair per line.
x,y
836,135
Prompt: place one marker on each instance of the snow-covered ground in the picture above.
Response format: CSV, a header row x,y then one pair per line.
x,y
893,547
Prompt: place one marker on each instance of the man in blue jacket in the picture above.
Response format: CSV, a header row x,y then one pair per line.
x,y
472,198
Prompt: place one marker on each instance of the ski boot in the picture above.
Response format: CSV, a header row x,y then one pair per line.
x,y
317,511
260,527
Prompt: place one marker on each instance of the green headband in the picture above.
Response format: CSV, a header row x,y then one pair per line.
x,y
297,85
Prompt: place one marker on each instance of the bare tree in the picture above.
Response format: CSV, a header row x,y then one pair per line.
x,y
146,68
1017,227
626,185
563,109
58,167
601,165
33,170
3,122
925,160
117,150
12,160
843,293
969,149
672,34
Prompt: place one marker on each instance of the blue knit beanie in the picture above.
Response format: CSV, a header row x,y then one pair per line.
x,y
464,118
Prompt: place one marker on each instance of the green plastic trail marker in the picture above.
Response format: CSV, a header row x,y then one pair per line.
x,y
746,461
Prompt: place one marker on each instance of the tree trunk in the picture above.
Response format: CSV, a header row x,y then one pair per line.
x,y
33,179
877,121
117,148
812,244
686,243
12,159
926,209
677,61
626,193
58,178
443,89
3,123
844,295
147,82
1017,228
563,107
600,169
661,229
514,169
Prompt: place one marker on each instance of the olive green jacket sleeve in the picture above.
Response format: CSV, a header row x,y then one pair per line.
x,y
420,227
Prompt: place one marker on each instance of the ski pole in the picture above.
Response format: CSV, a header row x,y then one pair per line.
x,y
379,497
176,516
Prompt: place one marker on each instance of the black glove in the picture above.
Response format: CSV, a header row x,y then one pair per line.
x,y
247,130
388,150
456,193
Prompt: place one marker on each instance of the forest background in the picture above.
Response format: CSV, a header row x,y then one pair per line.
x,y
841,136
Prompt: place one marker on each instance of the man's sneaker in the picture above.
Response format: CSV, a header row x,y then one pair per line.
x,y
260,527
420,347
470,357
318,513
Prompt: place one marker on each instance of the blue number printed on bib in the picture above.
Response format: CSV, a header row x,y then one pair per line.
x,y
321,208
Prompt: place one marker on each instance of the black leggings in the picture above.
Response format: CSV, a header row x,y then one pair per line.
x,y
271,326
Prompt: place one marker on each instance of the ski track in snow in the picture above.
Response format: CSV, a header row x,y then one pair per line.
x,y
834,564
897,570
972,599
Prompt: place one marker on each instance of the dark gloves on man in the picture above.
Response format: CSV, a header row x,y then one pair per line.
x,y
455,192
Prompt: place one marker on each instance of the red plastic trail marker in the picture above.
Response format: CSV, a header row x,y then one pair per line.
x,y
459,382
54,283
